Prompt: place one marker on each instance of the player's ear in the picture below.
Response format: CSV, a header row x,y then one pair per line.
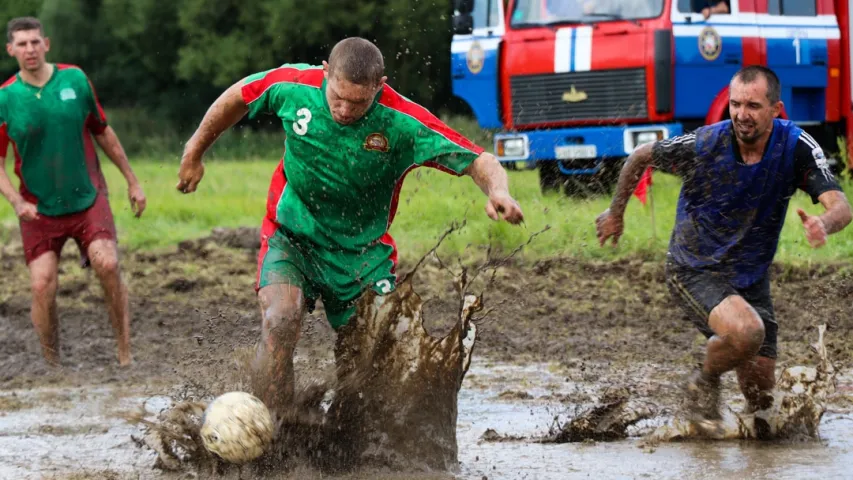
x,y
46,44
325,70
777,109
9,49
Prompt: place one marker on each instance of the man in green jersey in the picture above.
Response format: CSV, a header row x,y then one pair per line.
x,y
350,141
49,113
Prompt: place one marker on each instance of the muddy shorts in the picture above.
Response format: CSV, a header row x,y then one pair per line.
x,y
339,278
699,292
49,234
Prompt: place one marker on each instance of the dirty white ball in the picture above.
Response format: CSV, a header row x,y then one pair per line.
x,y
237,427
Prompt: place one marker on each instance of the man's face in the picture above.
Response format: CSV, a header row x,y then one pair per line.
x,y
348,101
29,47
752,114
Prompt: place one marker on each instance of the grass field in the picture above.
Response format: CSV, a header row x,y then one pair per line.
x,y
233,193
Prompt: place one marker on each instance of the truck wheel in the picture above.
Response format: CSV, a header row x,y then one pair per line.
x,y
550,178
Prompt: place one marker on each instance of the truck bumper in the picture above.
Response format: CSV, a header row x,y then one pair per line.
x,y
582,150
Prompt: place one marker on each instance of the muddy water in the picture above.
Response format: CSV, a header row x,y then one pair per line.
x,y
86,433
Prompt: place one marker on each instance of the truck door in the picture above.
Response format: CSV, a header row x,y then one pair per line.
x,y
709,52
475,58
797,50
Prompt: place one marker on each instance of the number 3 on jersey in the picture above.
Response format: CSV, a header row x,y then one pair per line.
x,y
300,126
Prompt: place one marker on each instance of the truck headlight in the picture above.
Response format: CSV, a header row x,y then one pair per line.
x,y
511,147
635,138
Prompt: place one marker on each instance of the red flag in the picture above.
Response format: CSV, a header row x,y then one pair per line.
x,y
644,185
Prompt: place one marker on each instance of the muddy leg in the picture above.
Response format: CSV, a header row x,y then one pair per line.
x,y
282,309
43,283
757,379
739,332
103,256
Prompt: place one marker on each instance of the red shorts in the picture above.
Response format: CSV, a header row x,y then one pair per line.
x,y
46,234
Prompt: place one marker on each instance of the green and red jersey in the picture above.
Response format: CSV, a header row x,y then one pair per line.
x,y
342,182
49,130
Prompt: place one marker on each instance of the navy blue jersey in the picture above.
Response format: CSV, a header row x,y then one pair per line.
x,y
730,214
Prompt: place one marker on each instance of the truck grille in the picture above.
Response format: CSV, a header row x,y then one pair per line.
x,y
611,94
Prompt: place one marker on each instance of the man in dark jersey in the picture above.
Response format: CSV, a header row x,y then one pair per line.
x,y
48,114
738,177
350,140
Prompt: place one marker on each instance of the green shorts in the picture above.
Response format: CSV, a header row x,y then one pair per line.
x,y
338,277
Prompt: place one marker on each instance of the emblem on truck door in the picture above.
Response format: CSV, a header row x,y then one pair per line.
x,y
475,58
710,44
574,96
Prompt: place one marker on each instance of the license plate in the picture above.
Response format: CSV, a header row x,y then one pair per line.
x,y
572,152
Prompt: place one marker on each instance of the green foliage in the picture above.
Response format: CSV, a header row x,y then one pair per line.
x,y
172,58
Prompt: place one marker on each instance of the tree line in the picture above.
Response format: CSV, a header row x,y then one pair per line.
x,y
171,58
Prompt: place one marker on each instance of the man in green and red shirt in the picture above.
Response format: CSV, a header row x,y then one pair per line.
x,y
350,141
48,114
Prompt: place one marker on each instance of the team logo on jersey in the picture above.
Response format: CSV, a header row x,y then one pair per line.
x,y
821,162
475,57
67,94
376,142
710,44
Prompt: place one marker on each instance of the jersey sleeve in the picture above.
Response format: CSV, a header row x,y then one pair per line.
x,y
266,92
676,155
96,121
434,143
811,170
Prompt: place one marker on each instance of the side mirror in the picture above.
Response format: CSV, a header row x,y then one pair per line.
x,y
464,6
463,24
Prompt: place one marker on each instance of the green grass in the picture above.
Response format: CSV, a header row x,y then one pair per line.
x,y
233,193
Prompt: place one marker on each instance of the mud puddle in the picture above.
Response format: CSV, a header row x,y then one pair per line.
x,y
503,410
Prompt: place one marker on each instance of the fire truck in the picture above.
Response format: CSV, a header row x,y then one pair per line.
x,y
571,87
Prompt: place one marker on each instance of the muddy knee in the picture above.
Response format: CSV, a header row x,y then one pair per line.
x,y
282,309
739,325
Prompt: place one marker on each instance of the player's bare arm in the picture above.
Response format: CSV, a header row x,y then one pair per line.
x,y
491,177
836,217
223,114
109,142
611,222
25,210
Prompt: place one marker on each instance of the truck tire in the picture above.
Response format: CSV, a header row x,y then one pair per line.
x,y
550,178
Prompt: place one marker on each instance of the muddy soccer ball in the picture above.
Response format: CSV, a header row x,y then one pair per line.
x,y
237,427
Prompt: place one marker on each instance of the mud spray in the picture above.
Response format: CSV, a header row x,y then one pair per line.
x,y
392,403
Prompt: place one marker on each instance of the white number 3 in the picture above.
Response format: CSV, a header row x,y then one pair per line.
x,y
384,286
301,126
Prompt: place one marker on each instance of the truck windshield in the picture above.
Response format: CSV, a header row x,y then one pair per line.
x,y
529,13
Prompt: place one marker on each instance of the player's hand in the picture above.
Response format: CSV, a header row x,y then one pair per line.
x,y
608,225
815,229
190,175
26,211
502,204
137,199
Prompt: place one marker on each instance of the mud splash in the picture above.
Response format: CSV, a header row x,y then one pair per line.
x,y
393,402
799,403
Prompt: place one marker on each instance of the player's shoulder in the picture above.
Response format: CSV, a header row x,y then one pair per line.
x,y
9,82
69,70
303,74
399,104
808,149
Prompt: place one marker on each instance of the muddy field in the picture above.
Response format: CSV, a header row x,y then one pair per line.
x,y
194,311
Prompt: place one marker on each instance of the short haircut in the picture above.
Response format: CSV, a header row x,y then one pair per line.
x,y
358,61
21,24
751,73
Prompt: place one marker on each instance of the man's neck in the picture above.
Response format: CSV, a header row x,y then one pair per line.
x,y
39,77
